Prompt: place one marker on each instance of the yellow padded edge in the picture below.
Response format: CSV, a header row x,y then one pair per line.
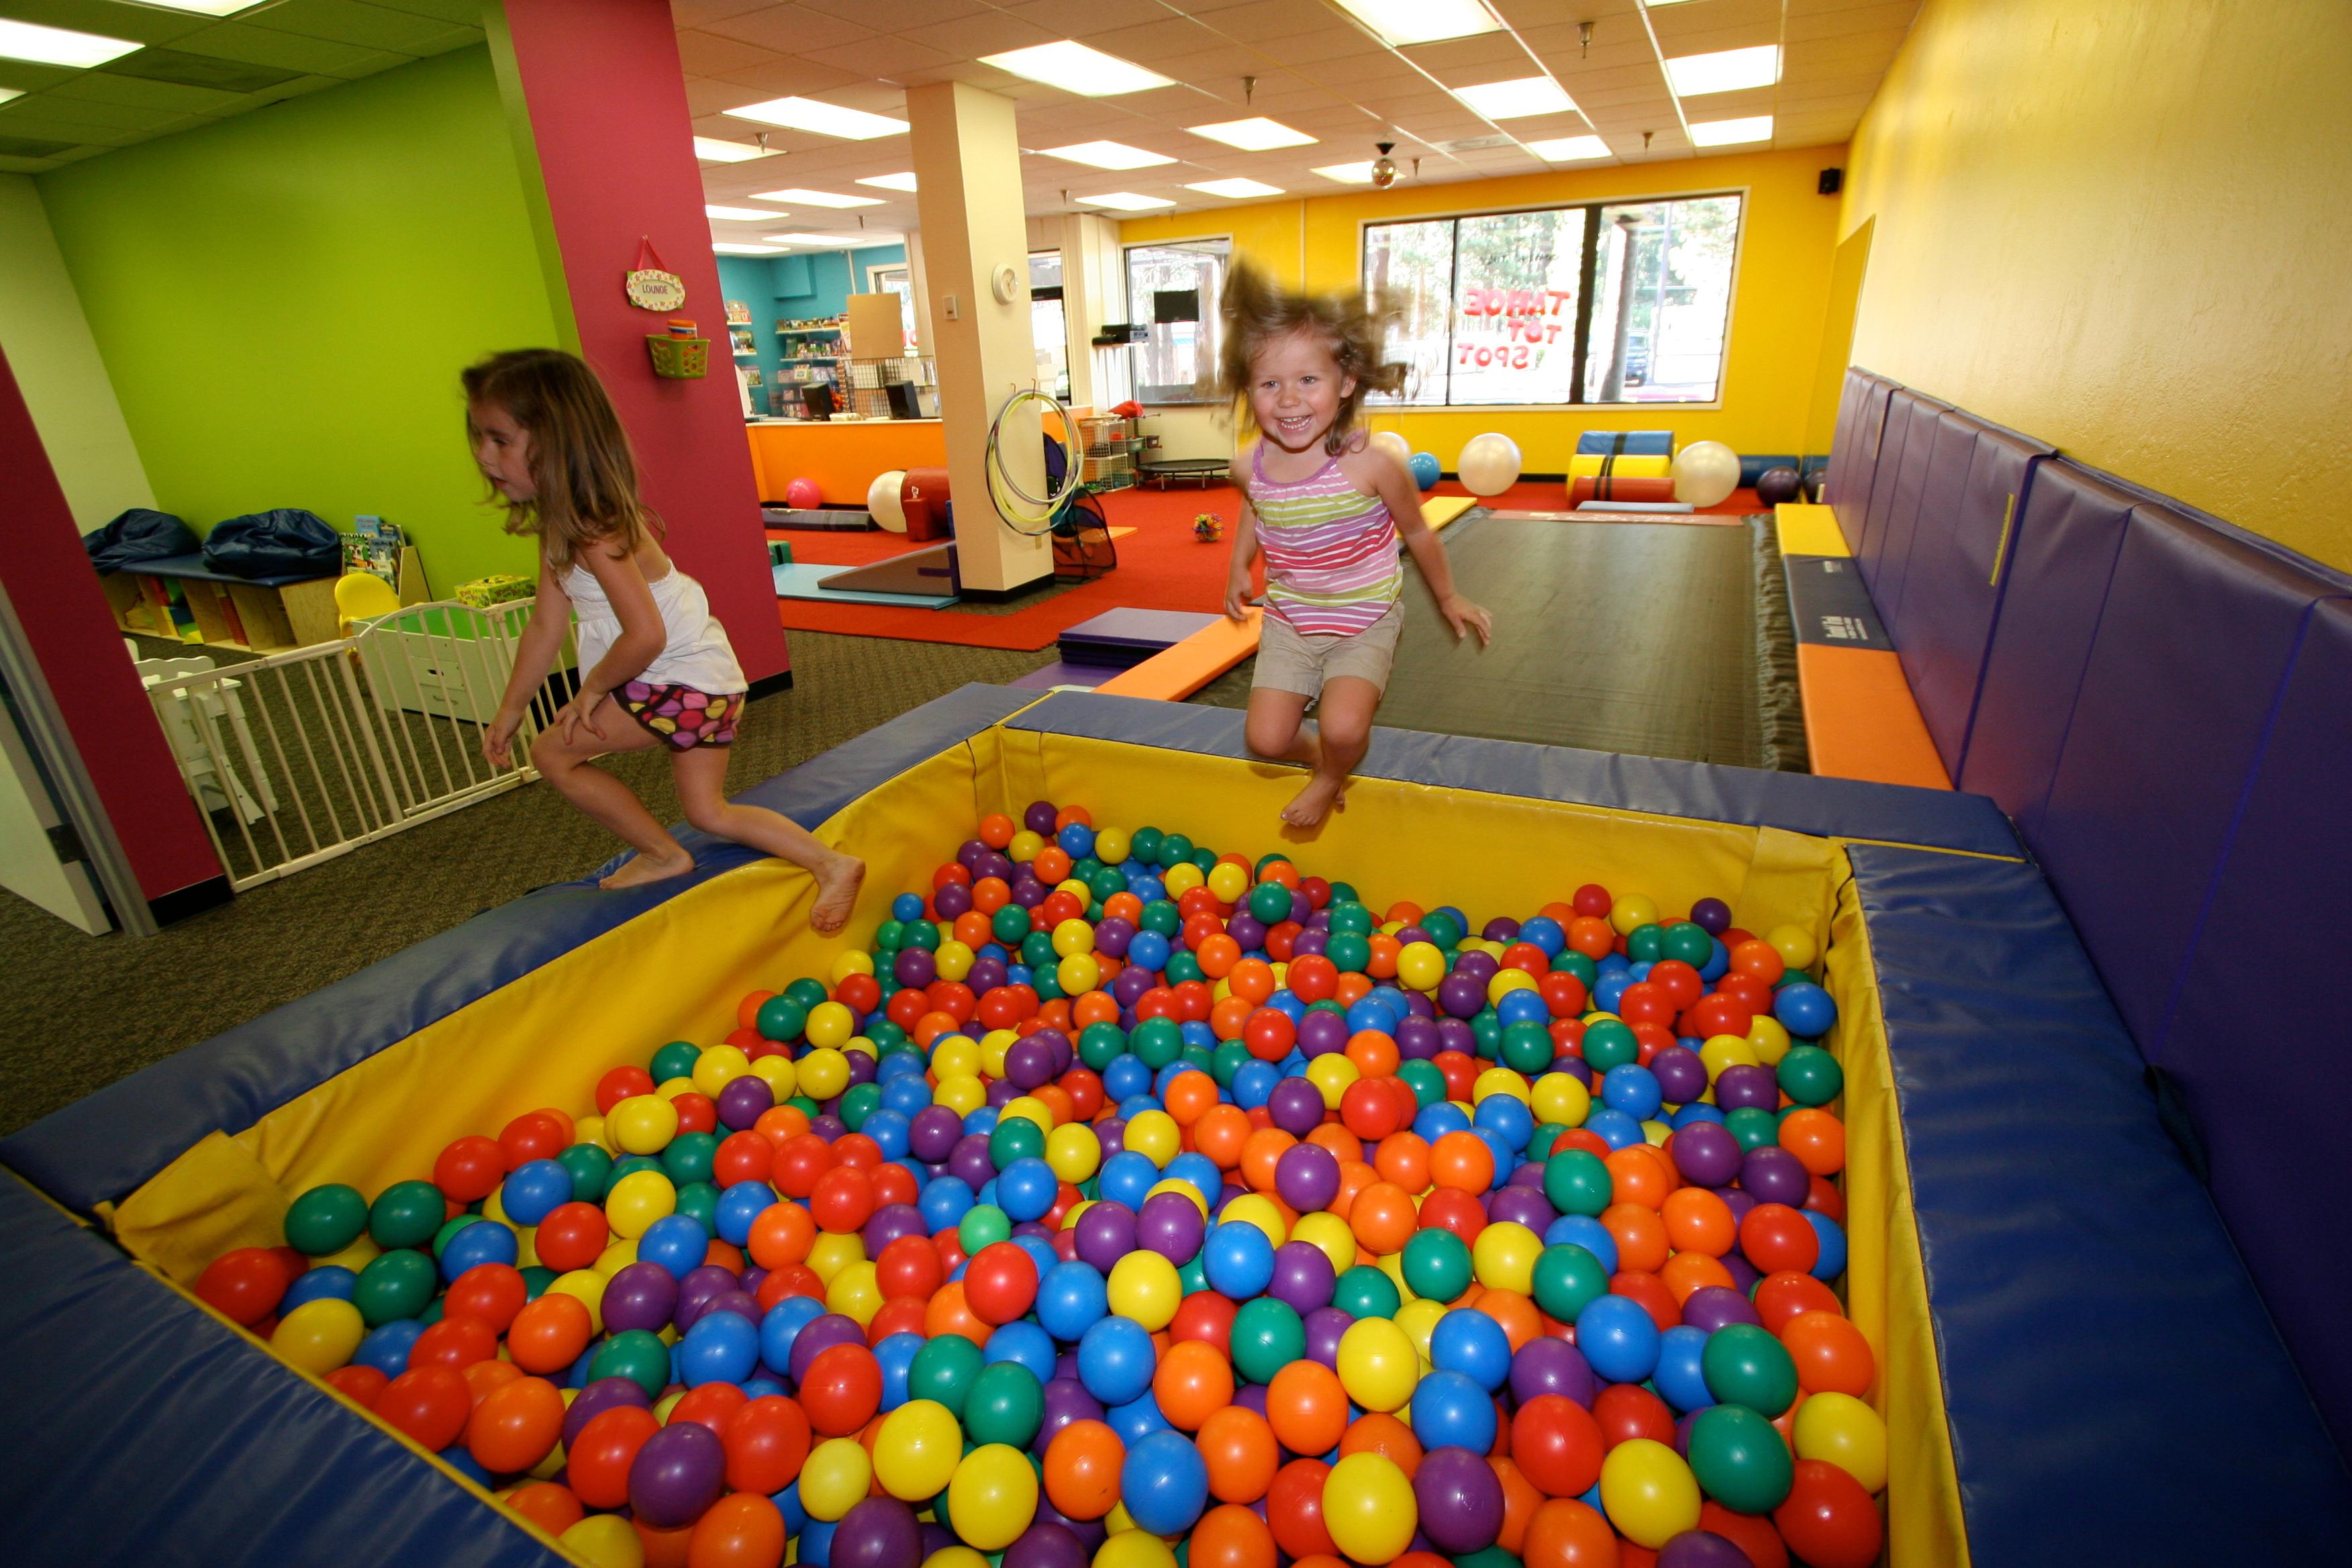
x,y
1808,530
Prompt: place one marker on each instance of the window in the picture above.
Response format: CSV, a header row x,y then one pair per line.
x,y
1049,330
1173,289
899,280
1609,302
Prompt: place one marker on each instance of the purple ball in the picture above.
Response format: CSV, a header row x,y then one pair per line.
x,y
1029,1063
1712,1307
1310,944
1028,892
862,1067
933,1133
1455,1034
915,967
1248,1395
1064,1053
1417,1037
880,1532
951,900
969,1161
1320,1034
1546,1366
698,1289
1420,1006
1112,1136
1296,1106
996,863
677,1475
1461,1500
1044,1545
1681,1075
1171,1224
1303,1277
828,1126
1066,1400
1112,934
605,1394
1706,1153
1700,1549
968,854
1302,908
822,1334
1739,1202
641,1296
1308,1176
1407,935
740,1302
1002,1092
1127,989
1106,1234
1772,1175
1712,916
744,1100
1576,1068
1745,1275
1745,1086
1524,1206
1090,1533
1039,819
1481,964
1325,1325
1319,921
1463,996
1502,929
888,1224
1531,1174
1247,930
985,975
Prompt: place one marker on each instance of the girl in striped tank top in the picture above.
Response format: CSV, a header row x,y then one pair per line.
x,y
1327,512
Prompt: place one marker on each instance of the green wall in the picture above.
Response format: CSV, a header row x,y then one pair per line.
x,y
284,300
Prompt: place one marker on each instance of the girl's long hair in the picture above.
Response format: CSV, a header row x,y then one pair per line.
x,y
1257,311
580,464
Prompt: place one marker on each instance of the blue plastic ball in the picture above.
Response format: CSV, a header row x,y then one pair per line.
x,y
1115,1361
1026,1189
1631,1088
1126,1176
1239,1260
387,1345
781,1327
1164,1483
1474,1345
1450,1409
738,1207
1619,1338
1071,1298
907,906
1805,1009
534,1189
1137,1419
486,1241
329,1280
1831,1262
721,1347
1425,470
1024,1343
676,1243
1679,1378
896,1354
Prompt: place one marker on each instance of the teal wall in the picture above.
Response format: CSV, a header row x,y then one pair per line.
x,y
283,302
797,289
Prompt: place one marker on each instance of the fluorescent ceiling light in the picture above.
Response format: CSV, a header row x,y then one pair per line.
x,y
1107,155
1517,98
1731,133
9,92
1074,67
1726,70
1569,149
1422,21
1653,5
905,182
1257,135
205,7
59,45
744,215
1126,202
1349,173
825,119
1237,190
832,241
747,250
800,197
711,150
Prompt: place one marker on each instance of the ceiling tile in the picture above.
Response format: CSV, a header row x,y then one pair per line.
x,y
287,51
1679,21
349,22
1862,19
903,14
1858,52
455,39
146,24
796,29
1822,7
707,54
990,33
702,13
56,110
783,77
468,12
1714,40
1152,41
104,87
1523,15
1465,62
886,57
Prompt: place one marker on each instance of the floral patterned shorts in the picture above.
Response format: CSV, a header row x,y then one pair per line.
x,y
680,717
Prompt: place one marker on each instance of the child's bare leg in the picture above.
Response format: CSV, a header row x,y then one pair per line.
x,y
1273,730
1344,725
702,788
569,767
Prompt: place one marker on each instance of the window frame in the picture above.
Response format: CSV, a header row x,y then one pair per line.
x,y
1208,313
1584,304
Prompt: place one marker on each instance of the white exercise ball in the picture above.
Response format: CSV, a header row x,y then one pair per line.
x,y
1398,449
1705,472
882,501
1489,464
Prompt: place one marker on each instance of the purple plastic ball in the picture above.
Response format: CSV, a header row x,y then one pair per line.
x,y
1066,1400
1028,892
1745,1275
641,1296
1112,935
1455,1034
1462,994
1417,1037
968,853
1302,908
677,1475
1107,1233
890,1222
1699,1549
1044,1545
1247,930
1306,1176
1772,1175
862,1067
1712,1307
1296,1106
1169,1224
605,1394
1546,1366
1249,1396
985,975
1320,1034
951,900
1127,989
740,1302
1039,818
1303,1277
1712,916
1706,1153
1739,1202
915,967
1461,1500
1310,944
822,1334
1576,1068
744,1100
1090,1533
1681,1075
1029,1063
828,1126
1325,1325
1481,964
1502,929
698,1289
1520,1205
996,863
969,1161
1746,1086
933,1133
880,1532
1112,1136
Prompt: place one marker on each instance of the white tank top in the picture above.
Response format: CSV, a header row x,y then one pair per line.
x,y
695,652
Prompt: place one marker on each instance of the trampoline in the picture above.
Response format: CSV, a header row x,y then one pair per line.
x,y
1660,640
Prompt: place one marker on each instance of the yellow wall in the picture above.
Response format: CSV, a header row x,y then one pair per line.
x,y
2123,228
1785,246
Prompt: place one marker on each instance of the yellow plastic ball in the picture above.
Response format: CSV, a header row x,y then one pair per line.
x,y
643,1124
717,1067
1144,1286
994,1496
1024,845
591,1129
849,962
1029,1107
1154,1135
1648,1493
917,1450
991,1055
1119,1519
1656,1132
1769,1039
494,1206
963,1093
362,1252
1329,1235
1228,882
1369,1508
1181,878
527,1246
1111,845
1073,935
1078,973
665,1403
1421,965
1507,980
1840,1430
617,1255
855,1291
1183,1189
1418,1319
1074,1153
1378,1365
586,1286
1133,1549
824,1074
1501,1081
1504,1257
835,1478
1075,889
1331,1074
318,1336
779,1074
604,1541
1257,1209
638,1200
1794,944
1725,1051
671,1088
953,960
1392,1265
830,1025
955,1056
832,1253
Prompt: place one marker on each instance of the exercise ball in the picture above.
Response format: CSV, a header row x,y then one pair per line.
x,y
1490,464
1775,486
1705,472
802,495
882,501
1398,449
1424,469
1813,484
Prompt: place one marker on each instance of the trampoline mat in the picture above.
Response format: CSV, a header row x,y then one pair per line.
x,y
1654,638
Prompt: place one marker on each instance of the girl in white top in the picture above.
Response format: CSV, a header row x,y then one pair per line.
x,y
655,667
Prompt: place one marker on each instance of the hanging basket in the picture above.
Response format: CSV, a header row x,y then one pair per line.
x,y
680,359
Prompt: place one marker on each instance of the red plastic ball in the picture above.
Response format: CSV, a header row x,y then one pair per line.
x,y
999,1283
1627,1410
767,1441
534,1135
245,1286
843,1200
471,1169
620,1084
573,1235
1828,1520
429,1403
843,1389
1779,1239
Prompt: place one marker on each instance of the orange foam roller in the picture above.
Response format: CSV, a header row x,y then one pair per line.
x,y
1610,487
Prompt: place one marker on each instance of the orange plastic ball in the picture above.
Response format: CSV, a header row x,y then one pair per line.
x,y
741,1530
1192,1382
1403,1158
1640,1235
1082,1466
1306,1407
1242,1453
551,1507
1374,1432
1231,1536
1817,1138
1565,1533
1698,1221
1463,1161
1831,1354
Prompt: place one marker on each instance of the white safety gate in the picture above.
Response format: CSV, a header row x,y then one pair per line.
x,y
301,756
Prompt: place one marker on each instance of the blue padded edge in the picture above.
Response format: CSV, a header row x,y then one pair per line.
x,y
1753,798
1912,420
164,1435
1851,482
2090,1311
102,1147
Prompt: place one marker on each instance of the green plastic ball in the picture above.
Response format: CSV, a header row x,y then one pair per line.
x,y
858,1101
688,1157
1143,845
1106,881
1741,1461
1046,983
1427,1083
921,933
1743,1364
394,1285
1486,1030
1269,902
1175,850
1228,1059
676,1059
326,1219
1009,923
944,1370
983,1225
1443,929
1099,1045
1608,1043
698,1201
1351,954
536,1279
450,1227
1015,1138
1156,1041
1181,967
1437,1264
1577,1182
1811,1075
808,990
406,1213
1753,1127
1268,1335
591,1169
1686,942
1645,944
1193,1276
1527,1047
1567,1279
1004,1404
1162,916
1351,919
1364,1292
888,935
1568,960
779,1018
630,1164
636,1354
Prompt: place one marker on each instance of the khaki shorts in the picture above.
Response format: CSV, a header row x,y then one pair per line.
x,y
1289,661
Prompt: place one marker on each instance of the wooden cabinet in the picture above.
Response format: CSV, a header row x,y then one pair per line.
x,y
265,615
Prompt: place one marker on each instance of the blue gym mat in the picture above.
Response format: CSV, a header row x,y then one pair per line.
x,y
801,580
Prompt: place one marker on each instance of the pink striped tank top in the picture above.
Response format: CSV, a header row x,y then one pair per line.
x,y
1331,552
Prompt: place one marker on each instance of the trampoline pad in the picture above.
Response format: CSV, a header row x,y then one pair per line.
x,y
1653,638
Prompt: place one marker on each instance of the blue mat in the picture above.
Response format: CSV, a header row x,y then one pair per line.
x,y
801,580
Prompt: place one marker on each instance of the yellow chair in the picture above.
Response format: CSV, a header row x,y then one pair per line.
x,y
362,596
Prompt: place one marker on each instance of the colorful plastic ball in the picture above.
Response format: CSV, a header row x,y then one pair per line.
x,y
1809,1075
1840,1429
1648,1492
1459,1498
1739,1458
678,1473
835,1478
1378,1364
1436,1264
1828,1520
1805,1009
326,1219
1116,1360
1082,1466
1557,1445
1619,1338
1164,1483
318,1336
1449,1409
1369,1508
1144,1286
917,1449
1746,1366
1000,1282
395,1284
1268,1335
993,1497
1472,1343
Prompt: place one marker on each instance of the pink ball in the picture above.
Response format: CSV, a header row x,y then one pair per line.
x,y
803,495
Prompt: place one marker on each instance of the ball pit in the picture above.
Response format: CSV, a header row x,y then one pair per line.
x,y
1122,1194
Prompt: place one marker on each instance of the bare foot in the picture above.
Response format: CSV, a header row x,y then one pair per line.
x,y
836,894
1309,807
642,868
